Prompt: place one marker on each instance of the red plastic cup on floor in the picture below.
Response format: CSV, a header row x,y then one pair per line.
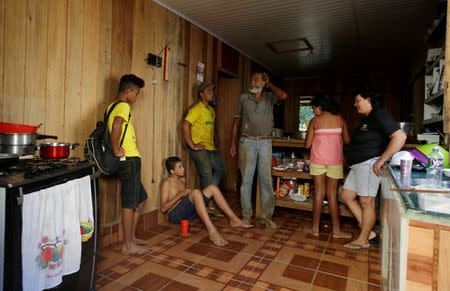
x,y
184,227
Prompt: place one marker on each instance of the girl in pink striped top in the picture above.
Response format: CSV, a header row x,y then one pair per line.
x,y
327,132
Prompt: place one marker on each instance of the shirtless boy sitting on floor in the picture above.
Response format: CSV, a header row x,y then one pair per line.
x,y
181,203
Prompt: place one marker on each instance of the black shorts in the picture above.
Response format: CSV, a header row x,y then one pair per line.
x,y
185,210
132,190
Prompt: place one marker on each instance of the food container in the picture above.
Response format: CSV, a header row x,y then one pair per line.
x,y
306,189
274,162
301,190
434,202
56,150
300,165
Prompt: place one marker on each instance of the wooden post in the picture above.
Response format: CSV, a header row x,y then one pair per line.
x,y
446,105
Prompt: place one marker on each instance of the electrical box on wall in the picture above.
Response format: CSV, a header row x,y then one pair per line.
x,y
153,60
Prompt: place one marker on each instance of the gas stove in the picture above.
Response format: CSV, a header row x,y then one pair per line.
x,y
32,170
28,176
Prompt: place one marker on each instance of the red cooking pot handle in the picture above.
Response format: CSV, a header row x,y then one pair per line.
x,y
44,136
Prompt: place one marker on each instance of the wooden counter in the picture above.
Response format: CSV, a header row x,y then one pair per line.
x,y
415,243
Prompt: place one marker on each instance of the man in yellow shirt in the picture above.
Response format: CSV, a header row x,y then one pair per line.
x,y
199,134
133,193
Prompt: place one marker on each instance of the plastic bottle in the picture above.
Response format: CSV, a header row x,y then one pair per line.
x,y
435,165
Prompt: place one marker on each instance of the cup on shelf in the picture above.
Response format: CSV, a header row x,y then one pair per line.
x,y
405,167
300,165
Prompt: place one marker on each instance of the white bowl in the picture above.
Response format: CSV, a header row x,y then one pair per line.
x,y
446,172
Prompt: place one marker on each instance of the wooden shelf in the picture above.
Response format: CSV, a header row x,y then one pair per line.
x,y
292,173
435,97
437,28
308,206
288,142
433,120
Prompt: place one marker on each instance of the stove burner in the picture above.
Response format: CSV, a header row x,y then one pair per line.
x,y
36,166
42,170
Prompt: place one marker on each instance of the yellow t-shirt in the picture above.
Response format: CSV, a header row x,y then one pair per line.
x,y
129,142
202,119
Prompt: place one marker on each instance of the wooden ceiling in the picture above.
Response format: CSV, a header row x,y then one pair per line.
x,y
346,35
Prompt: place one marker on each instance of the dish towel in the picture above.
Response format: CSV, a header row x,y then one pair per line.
x,y
86,209
51,237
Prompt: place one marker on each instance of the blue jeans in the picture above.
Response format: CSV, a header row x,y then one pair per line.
x,y
256,154
209,165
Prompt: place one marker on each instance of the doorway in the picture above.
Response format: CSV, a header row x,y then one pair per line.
x,y
227,98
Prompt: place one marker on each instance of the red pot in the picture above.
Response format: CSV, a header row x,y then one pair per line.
x,y
56,150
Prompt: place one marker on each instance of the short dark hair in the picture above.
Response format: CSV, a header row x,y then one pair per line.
x,y
203,86
130,81
326,103
376,99
171,162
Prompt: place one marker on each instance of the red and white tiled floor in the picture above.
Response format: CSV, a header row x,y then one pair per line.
x,y
255,259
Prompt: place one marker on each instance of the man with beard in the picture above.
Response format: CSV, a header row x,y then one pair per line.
x,y
254,114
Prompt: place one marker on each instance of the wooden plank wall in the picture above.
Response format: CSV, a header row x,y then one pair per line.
x,y
60,65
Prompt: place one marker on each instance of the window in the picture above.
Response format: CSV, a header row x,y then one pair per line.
x,y
305,113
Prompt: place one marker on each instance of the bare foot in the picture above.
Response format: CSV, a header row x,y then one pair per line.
x,y
140,241
342,234
372,235
312,232
217,239
134,250
241,224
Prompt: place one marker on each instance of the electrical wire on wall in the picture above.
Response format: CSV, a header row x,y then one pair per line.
x,y
154,82
153,120
152,60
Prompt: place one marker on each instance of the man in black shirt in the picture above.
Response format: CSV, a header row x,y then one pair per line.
x,y
372,144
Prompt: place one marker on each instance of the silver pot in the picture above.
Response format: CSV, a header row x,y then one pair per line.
x,y
17,149
20,143
17,139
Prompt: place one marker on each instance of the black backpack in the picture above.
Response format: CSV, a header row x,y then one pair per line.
x,y
98,146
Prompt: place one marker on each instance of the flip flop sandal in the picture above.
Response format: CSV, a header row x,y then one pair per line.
x,y
356,247
375,242
216,212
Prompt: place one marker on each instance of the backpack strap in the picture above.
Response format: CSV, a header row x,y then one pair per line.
x,y
125,131
106,118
